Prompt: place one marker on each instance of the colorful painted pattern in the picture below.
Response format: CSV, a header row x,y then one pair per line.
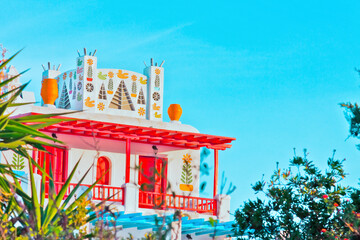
x,y
113,91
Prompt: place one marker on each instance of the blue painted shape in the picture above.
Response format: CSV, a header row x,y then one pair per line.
x,y
130,215
193,230
146,217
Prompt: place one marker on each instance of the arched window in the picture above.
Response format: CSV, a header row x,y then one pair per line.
x,y
103,164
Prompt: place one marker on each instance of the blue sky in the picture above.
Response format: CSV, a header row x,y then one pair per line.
x,y
270,73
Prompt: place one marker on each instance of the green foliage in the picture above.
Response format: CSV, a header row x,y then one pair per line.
x,y
352,115
304,203
24,216
18,162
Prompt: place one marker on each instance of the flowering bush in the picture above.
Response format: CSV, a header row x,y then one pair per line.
x,y
302,202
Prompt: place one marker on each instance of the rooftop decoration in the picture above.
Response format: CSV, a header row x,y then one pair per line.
x,y
111,91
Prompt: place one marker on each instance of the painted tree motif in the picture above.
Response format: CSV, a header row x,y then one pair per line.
x,y
102,93
64,99
133,89
141,98
122,99
157,81
89,73
186,175
74,93
110,86
18,162
70,85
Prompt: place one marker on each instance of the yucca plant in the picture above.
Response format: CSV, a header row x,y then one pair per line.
x,y
24,216
30,217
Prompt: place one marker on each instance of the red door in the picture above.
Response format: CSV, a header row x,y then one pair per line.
x,y
153,174
58,159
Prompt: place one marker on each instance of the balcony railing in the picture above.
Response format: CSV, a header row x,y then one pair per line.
x,y
99,192
163,201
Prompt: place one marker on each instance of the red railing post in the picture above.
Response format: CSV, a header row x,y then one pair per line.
x,y
127,163
215,171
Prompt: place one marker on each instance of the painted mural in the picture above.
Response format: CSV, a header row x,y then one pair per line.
x,y
186,174
112,91
18,162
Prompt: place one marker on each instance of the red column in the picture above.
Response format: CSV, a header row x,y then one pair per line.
x,y
127,164
216,169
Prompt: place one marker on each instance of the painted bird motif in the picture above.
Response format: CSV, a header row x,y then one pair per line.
x,y
89,103
156,107
143,81
122,75
102,76
157,115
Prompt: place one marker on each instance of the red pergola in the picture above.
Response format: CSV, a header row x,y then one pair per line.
x,y
147,135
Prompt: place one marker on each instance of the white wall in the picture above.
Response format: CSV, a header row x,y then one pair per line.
x,y
175,164
89,157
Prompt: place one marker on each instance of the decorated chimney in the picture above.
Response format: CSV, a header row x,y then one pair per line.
x,y
155,85
50,73
86,84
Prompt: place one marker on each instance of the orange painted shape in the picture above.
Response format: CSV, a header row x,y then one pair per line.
x,y
122,75
156,107
89,102
174,112
49,91
143,81
157,115
186,187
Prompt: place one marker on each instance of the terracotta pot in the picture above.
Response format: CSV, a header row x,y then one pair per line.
x,y
49,91
186,187
174,112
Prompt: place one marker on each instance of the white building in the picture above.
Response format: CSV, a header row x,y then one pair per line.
x,y
153,166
